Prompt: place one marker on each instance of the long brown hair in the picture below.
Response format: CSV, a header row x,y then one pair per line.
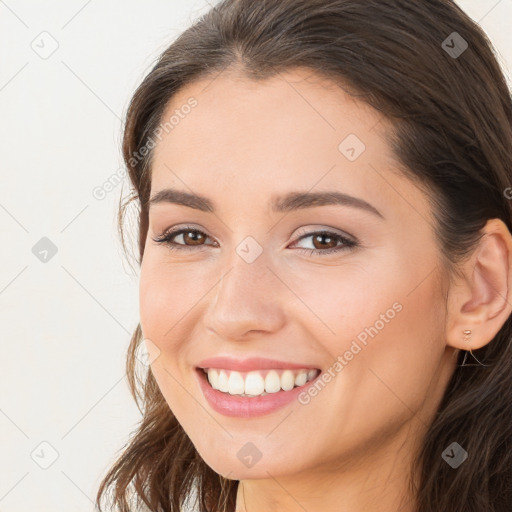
x,y
451,113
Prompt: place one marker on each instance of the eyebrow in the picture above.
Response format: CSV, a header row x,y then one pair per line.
x,y
285,203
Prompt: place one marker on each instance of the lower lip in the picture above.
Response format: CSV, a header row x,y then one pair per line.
x,y
244,406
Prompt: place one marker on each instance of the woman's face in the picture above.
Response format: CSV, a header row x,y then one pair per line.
x,y
243,281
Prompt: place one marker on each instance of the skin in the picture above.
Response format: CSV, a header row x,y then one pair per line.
x,y
351,447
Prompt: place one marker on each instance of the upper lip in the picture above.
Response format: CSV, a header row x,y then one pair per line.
x,y
251,363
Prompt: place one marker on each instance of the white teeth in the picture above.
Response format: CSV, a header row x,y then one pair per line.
x,y
235,384
254,384
221,382
301,378
287,380
272,382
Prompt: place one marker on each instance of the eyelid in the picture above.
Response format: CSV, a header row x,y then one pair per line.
x,y
181,227
320,229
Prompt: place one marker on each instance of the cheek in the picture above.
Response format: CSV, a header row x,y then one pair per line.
x,y
171,298
391,346
380,318
166,293
154,299
336,304
165,298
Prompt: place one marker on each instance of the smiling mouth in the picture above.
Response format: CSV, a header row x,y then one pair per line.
x,y
257,383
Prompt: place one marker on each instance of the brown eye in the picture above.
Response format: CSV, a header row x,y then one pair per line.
x,y
196,239
191,238
324,241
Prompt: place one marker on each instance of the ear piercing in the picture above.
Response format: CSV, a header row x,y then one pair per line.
x,y
467,336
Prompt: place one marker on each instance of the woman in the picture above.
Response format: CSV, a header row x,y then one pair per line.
x,y
325,251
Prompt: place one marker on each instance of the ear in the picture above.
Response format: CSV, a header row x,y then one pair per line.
x,y
481,300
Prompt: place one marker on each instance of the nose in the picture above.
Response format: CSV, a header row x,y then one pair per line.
x,y
249,297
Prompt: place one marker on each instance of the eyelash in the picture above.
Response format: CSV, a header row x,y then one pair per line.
x,y
165,239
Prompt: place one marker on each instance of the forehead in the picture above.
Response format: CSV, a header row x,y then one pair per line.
x,y
294,131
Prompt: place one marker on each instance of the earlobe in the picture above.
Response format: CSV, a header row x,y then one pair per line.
x,y
481,301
